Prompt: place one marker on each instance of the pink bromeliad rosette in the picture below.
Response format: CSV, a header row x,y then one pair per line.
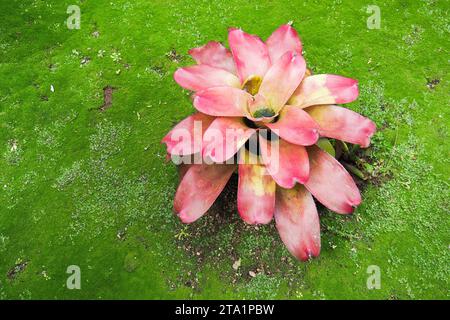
x,y
266,85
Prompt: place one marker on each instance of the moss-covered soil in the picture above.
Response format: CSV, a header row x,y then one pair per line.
x,y
83,179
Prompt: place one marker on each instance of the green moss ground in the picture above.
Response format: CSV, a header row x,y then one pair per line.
x,y
89,188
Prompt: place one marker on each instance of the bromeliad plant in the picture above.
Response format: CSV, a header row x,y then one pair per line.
x,y
261,86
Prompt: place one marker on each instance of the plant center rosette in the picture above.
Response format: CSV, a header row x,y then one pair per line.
x,y
261,110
